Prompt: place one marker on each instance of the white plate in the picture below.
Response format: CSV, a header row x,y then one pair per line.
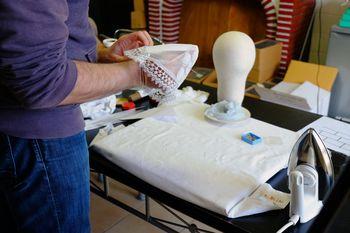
x,y
245,117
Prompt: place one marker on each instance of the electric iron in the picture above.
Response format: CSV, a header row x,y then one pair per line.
x,y
311,176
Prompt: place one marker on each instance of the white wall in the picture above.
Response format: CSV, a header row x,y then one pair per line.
x,y
331,14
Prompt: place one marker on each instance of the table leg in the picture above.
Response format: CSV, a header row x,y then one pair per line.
x,y
148,211
105,184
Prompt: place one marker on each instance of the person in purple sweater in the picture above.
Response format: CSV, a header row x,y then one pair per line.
x,y
48,67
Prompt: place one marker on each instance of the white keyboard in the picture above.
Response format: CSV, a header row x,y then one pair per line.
x,y
336,140
334,133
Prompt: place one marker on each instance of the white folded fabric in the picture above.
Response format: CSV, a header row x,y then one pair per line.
x,y
199,161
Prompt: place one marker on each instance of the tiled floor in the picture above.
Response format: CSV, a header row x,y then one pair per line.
x,y
108,218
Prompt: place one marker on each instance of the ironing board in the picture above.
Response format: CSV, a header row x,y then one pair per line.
x,y
266,222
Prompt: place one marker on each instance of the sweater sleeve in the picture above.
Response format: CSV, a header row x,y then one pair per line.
x,y
33,59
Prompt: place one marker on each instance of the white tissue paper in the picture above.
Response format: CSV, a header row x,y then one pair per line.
x,y
99,108
188,94
201,162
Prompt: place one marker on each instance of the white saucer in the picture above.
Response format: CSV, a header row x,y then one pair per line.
x,y
245,117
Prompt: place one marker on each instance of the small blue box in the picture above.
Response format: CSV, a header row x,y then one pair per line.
x,y
251,138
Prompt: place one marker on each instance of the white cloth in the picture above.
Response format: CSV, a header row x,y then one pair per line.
x,y
99,108
265,198
167,66
198,161
188,94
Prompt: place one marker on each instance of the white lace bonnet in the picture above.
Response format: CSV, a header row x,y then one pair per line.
x,y
167,65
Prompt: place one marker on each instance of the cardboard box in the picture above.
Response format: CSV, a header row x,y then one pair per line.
x,y
306,86
299,72
267,61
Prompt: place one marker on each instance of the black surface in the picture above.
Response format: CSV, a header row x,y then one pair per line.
x,y
267,222
335,215
111,15
265,43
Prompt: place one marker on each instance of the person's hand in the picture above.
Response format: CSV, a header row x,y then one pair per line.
x,y
134,40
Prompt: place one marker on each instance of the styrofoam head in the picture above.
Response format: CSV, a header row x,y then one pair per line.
x,y
234,57
234,50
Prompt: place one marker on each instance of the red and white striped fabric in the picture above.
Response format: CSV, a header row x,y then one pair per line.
x,y
164,19
271,18
285,18
293,20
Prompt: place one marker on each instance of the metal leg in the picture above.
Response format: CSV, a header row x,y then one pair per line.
x,y
105,184
100,177
148,212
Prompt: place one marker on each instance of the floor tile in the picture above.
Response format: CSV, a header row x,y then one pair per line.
x,y
133,224
158,211
103,214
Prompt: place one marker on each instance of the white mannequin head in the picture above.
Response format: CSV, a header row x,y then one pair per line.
x,y
234,57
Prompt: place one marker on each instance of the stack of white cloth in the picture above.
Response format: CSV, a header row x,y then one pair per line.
x,y
203,162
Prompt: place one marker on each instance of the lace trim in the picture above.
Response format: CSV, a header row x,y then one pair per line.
x,y
159,75
167,85
161,98
139,55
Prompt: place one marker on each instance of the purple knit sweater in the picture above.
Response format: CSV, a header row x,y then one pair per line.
x,y
39,39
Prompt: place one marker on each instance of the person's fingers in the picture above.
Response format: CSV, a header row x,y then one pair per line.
x,y
139,38
131,45
142,37
149,38
127,42
124,45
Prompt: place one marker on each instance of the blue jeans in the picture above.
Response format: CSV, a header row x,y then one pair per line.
x,y
44,185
